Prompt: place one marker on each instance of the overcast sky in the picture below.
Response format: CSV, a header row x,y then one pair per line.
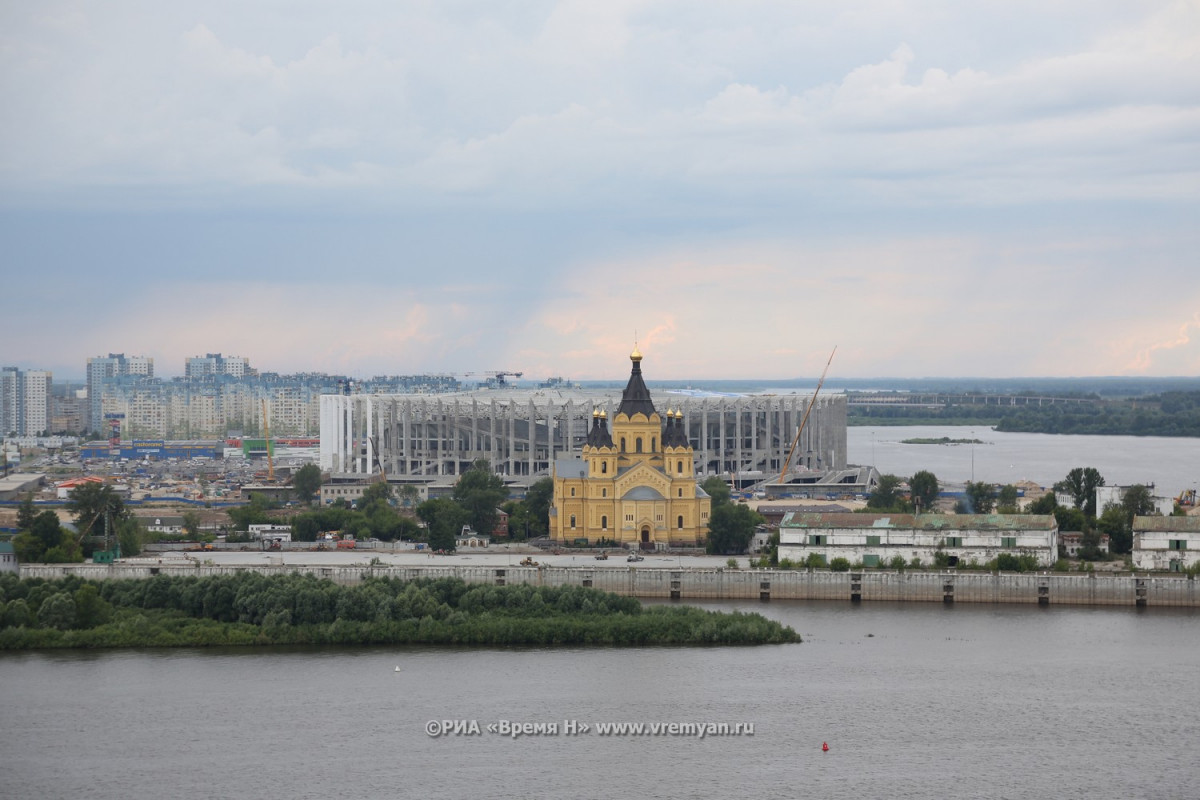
x,y
998,189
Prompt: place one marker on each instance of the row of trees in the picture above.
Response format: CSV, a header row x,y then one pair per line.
x,y
477,499
1173,413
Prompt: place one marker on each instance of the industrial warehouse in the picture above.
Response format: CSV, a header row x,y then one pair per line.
x,y
746,438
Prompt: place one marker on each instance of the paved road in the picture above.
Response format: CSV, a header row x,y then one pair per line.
x,y
487,558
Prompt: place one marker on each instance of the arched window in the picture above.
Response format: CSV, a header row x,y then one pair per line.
x,y
639,444
604,523
572,491
622,444
679,521
679,468
653,444
572,521
603,467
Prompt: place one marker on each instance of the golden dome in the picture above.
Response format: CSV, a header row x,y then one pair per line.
x,y
636,355
595,412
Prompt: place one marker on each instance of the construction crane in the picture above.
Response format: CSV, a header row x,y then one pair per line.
x,y
788,461
1186,499
495,376
267,440
378,463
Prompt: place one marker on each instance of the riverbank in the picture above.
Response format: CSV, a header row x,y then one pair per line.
x,y
716,583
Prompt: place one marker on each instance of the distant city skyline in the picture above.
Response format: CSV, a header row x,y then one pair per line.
x,y
993,189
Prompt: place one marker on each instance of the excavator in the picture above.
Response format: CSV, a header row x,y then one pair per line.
x,y
1186,499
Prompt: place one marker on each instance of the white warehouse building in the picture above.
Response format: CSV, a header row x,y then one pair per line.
x,y
874,539
1166,543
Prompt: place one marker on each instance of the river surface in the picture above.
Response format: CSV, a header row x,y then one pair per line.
x,y
914,700
1171,463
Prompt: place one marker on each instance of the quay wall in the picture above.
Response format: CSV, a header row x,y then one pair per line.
x,y
725,584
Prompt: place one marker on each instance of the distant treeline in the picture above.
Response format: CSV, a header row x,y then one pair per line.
x,y
1168,414
253,609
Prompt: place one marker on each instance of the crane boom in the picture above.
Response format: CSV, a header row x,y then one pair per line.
x,y
788,461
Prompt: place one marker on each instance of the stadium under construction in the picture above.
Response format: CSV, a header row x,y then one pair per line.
x,y
742,438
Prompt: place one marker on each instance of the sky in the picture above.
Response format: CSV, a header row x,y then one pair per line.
x,y
997,189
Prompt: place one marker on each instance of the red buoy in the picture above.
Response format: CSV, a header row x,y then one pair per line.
x,y
824,747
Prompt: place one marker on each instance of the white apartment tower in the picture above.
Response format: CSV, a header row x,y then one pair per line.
x,y
101,369
217,364
24,401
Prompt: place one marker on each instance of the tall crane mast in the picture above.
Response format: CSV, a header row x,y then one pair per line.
x,y
267,440
788,461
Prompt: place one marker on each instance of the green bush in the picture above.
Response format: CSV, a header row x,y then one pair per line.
x,y
840,564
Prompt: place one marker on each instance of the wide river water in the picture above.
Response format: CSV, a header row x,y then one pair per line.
x,y
915,701
1171,463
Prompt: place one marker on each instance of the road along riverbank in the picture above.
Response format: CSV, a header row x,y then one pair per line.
x,y
706,583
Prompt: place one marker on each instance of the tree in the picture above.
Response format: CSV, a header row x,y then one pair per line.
x,y
718,490
1006,499
1081,483
1116,523
1070,519
90,608
408,494
925,490
731,528
26,513
90,502
376,494
131,535
537,505
480,492
253,513
1046,504
191,524
980,497
1138,502
886,495
46,541
306,483
444,519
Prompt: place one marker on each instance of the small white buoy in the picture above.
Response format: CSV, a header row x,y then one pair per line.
x,y
397,668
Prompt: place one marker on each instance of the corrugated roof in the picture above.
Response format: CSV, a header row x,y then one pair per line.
x,y
928,522
1167,524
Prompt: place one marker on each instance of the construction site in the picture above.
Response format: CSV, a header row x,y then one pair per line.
x,y
745,439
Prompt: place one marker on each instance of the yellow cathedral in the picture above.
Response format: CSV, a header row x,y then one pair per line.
x,y
636,486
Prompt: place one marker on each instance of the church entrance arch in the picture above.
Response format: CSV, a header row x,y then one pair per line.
x,y
646,544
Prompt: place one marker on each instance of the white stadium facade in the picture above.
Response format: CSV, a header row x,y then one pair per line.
x,y
521,431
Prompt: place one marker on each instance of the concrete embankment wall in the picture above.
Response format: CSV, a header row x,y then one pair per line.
x,y
727,584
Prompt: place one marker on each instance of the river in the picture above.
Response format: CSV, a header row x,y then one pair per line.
x,y
1172,464
915,701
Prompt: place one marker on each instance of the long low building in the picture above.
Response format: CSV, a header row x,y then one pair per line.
x,y
874,539
1166,543
522,432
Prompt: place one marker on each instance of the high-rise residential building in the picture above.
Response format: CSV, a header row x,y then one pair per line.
x,y
24,401
103,368
217,364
